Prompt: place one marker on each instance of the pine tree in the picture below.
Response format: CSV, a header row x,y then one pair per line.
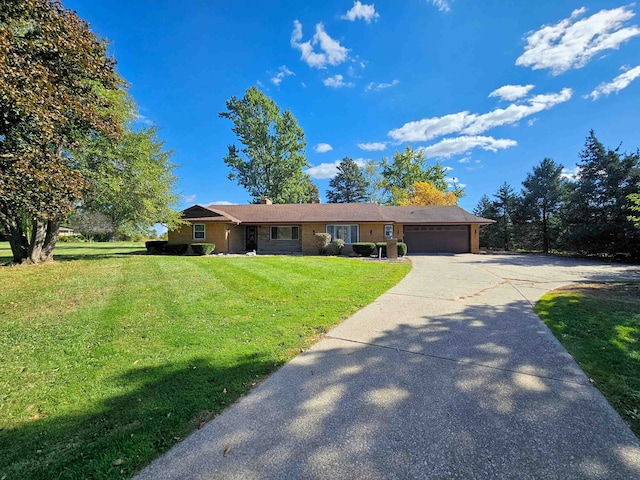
x,y
543,194
349,185
599,204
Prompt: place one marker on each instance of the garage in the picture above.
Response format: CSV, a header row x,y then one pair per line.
x,y
437,238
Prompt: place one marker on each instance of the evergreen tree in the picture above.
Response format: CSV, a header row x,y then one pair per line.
x,y
543,193
599,210
349,185
506,204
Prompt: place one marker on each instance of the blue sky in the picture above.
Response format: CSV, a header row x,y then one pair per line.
x,y
487,88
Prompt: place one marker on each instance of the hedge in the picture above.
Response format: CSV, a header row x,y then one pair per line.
x,y
155,246
364,249
203,248
175,248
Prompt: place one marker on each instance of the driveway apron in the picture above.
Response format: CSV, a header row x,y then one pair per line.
x,y
448,375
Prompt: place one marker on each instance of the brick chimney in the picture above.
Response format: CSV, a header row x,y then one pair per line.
x,y
266,201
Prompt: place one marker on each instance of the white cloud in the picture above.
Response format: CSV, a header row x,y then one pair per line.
x,y
531,121
464,160
380,86
442,5
323,148
373,146
429,128
330,170
332,52
222,202
511,92
454,146
189,198
514,113
621,82
365,12
473,123
337,81
283,72
142,119
570,173
573,42
447,168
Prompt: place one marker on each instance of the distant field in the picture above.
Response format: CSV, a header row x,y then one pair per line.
x,y
71,251
107,359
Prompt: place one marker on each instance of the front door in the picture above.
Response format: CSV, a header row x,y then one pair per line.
x,y
251,238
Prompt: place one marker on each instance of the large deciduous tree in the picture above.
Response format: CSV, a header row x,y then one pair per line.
x,y
542,196
272,156
130,181
426,193
349,185
409,167
55,79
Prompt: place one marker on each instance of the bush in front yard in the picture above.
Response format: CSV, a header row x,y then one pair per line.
x,y
338,245
203,248
175,248
155,246
322,241
364,249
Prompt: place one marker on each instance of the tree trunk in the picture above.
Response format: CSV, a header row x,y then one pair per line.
x,y
545,232
50,241
19,242
38,235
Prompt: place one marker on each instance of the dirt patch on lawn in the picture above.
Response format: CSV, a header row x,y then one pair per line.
x,y
625,291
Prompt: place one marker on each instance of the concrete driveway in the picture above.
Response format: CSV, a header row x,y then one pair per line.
x,y
448,375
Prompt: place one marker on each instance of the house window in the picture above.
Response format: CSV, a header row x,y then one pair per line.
x,y
348,233
198,231
388,231
285,233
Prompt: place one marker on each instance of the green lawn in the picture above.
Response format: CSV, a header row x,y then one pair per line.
x,y
107,361
599,324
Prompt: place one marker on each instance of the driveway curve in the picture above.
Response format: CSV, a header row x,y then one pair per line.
x,y
448,375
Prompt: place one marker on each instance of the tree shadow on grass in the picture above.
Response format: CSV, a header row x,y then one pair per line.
x,y
124,433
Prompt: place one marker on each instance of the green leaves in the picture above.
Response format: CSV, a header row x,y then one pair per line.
x,y
409,167
52,72
273,154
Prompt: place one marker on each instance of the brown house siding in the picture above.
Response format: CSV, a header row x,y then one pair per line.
x,y
267,245
309,246
230,238
213,233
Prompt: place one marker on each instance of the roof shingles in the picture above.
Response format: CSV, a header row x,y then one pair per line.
x,y
332,213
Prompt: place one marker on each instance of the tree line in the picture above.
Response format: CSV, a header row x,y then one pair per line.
x,y
594,213
271,158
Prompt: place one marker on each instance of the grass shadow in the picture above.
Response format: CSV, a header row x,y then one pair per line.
x,y
124,433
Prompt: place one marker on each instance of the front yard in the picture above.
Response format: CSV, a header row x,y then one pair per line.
x,y
599,325
108,360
